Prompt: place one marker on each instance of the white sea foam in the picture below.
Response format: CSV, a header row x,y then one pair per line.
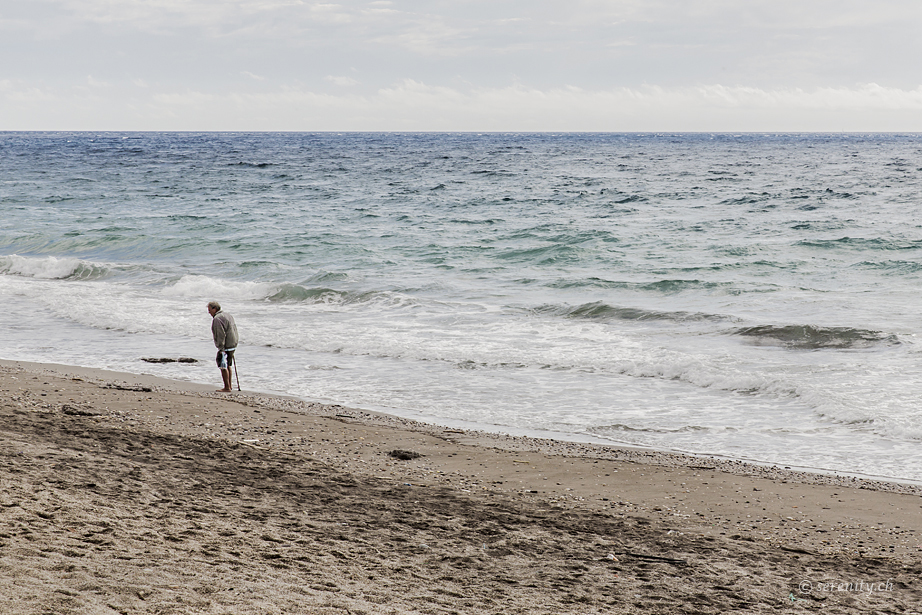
x,y
201,286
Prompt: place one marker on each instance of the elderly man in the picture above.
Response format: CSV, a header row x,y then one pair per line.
x,y
224,331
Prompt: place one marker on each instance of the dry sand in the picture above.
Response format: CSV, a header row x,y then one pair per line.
x,y
128,494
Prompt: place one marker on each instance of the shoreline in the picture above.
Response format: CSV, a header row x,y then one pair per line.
x,y
486,435
627,517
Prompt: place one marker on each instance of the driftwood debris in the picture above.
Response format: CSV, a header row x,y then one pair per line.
x,y
169,360
120,387
404,455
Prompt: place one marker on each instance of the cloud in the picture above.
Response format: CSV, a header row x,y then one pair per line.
x,y
430,35
331,13
594,43
341,81
870,97
216,17
416,106
18,94
427,65
413,105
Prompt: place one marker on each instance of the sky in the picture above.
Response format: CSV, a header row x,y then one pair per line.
x,y
462,65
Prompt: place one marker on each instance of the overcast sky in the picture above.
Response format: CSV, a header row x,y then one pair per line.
x,y
481,65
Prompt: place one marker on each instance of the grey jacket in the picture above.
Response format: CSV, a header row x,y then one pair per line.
x,y
224,331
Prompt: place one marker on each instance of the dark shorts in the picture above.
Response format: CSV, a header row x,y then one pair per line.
x,y
225,359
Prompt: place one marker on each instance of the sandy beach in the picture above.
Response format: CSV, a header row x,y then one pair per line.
x,y
129,494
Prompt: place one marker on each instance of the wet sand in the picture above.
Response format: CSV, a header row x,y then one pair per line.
x,y
129,494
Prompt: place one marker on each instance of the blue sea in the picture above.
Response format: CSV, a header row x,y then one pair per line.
x,y
754,296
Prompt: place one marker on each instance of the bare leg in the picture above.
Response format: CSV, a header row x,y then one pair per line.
x,y
226,377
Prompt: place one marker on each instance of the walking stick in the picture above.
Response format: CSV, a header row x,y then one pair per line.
x,y
236,374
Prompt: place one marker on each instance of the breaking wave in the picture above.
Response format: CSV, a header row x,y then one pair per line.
x,y
204,286
807,337
600,311
52,268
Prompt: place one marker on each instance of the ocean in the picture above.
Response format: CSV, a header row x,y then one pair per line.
x,y
753,296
